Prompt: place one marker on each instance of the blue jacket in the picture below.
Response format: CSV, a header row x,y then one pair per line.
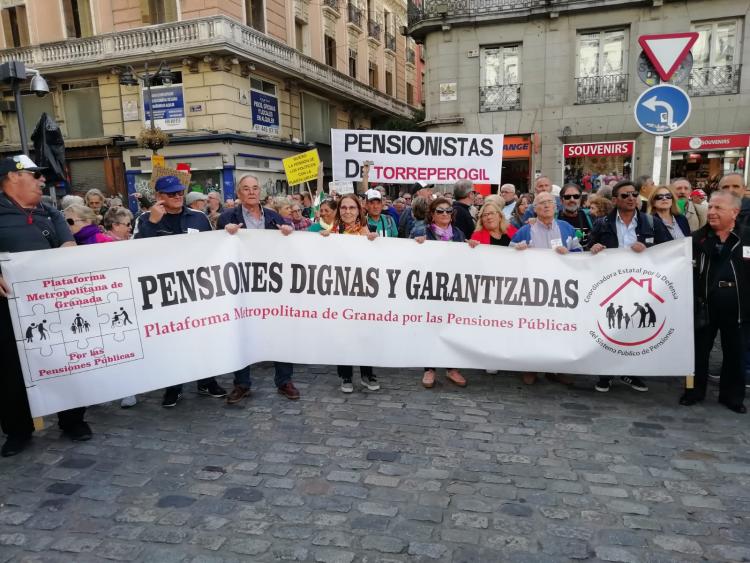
x,y
531,211
234,215
189,219
567,233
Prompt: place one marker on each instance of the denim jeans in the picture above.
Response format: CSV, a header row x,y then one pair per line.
x,y
283,375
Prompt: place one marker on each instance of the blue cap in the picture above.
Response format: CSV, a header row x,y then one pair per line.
x,y
169,185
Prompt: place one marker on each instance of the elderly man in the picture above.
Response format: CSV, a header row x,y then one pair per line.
x,y
721,273
735,183
26,224
695,215
463,199
196,201
251,215
508,193
541,185
167,217
546,232
626,227
377,221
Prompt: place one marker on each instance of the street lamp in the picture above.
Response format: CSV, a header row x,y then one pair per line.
x,y
129,77
14,73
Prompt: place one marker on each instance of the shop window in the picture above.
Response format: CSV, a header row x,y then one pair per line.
x,y
389,83
409,94
330,50
353,63
500,78
372,75
602,63
255,14
77,15
33,107
316,119
158,11
83,110
716,58
15,26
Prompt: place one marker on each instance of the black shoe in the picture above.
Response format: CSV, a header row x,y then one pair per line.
x,y
171,396
689,399
213,389
78,431
14,445
634,382
603,385
738,408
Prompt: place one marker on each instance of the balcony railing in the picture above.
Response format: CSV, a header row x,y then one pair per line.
x,y
195,38
411,56
714,80
390,41
373,29
602,89
333,4
500,98
355,15
427,9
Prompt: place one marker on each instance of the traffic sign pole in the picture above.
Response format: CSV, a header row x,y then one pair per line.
x,y
658,155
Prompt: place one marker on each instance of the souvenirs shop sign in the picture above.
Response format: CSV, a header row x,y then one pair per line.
x,y
96,323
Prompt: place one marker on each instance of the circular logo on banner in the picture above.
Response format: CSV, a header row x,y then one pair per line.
x,y
631,312
695,143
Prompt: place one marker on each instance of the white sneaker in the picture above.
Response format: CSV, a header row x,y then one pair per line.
x,y
370,383
346,386
128,402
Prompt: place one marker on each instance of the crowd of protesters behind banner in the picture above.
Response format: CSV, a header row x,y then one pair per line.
x,y
634,214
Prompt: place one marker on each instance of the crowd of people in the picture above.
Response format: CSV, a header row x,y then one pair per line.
x,y
629,214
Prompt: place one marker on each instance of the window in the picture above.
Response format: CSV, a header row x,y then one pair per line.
x,y
77,18
255,14
15,26
330,50
388,83
316,119
352,63
300,37
263,86
83,110
372,76
716,58
158,11
602,60
33,107
500,78
409,94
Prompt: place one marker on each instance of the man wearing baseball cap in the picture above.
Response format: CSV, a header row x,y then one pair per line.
x,y
377,221
26,223
169,216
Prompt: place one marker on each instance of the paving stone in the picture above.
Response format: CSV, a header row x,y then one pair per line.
x,y
429,550
384,544
628,507
730,552
346,476
424,514
118,551
469,520
515,509
698,501
678,543
13,517
369,522
570,548
63,488
618,554
243,494
175,501
76,544
248,546
333,556
377,509
382,481
16,539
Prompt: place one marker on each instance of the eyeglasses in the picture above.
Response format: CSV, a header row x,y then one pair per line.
x,y
348,208
407,197
174,194
72,221
572,196
626,195
36,173
663,196
443,211
124,224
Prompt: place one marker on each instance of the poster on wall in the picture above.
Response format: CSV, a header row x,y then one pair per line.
x,y
264,112
168,103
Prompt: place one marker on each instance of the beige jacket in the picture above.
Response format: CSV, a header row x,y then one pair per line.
x,y
696,215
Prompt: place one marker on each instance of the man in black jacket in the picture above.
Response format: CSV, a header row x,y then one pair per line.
x,y
735,183
463,196
721,286
625,227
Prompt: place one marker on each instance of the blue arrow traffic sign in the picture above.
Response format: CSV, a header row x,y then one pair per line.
x,y
662,109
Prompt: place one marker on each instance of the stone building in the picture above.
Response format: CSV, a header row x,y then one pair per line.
x,y
251,81
561,77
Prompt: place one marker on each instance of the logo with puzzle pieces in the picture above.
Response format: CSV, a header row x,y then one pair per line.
x,y
77,323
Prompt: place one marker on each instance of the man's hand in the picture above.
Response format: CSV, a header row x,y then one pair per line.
x,y
286,230
638,247
372,236
232,228
4,288
597,248
521,246
156,213
561,250
420,240
472,243
325,233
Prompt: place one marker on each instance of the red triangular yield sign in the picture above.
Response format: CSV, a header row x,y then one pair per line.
x,y
666,51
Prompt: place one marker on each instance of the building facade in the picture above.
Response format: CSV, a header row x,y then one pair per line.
x,y
561,78
251,81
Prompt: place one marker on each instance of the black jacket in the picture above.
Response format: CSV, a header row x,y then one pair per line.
x,y
743,219
462,218
705,283
47,229
649,230
272,220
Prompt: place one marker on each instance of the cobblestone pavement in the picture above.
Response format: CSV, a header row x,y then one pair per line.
x,y
493,472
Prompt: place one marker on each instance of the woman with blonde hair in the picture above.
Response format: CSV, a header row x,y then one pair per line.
x,y
492,226
600,206
662,203
83,223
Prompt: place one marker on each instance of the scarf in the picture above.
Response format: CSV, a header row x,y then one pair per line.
x,y
325,226
443,234
354,229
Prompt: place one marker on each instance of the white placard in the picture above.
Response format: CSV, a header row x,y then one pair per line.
x,y
341,187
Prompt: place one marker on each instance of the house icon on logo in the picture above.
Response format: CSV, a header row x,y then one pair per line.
x,y
628,313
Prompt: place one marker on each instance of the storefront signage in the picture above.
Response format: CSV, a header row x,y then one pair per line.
x,y
168,104
516,147
582,150
710,142
264,110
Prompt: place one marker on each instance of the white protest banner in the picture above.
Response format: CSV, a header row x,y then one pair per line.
x,y
341,187
402,157
127,317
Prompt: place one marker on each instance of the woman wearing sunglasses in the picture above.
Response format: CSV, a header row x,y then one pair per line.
x,y
351,219
439,225
118,223
662,203
82,221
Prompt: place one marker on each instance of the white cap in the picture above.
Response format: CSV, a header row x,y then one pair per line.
x,y
373,194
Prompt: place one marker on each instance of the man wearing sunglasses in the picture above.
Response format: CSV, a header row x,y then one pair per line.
x,y
169,216
626,227
573,213
26,223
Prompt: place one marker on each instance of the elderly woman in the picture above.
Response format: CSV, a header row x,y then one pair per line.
x,y
83,224
70,199
351,219
299,221
213,207
95,200
516,217
439,226
327,216
600,206
118,223
663,204
492,227
283,206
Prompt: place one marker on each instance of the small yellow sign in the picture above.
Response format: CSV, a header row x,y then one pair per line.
x,y
302,167
157,160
